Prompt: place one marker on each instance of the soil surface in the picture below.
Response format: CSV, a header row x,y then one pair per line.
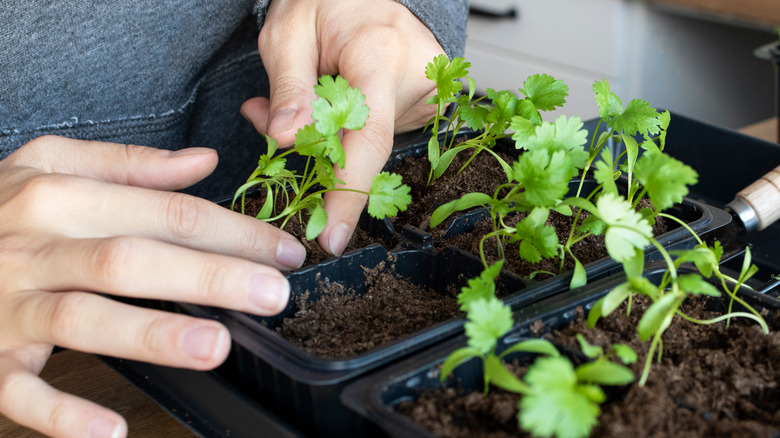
x,y
713,381
483,174
344,324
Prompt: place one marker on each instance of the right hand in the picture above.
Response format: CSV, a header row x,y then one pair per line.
x,y
78,218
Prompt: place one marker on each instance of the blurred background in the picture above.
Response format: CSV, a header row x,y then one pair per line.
x,y
693,57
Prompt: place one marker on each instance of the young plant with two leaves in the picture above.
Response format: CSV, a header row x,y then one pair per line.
x,y
557,397
339,107
489,115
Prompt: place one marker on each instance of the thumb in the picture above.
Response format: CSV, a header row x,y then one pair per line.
x,y
289,49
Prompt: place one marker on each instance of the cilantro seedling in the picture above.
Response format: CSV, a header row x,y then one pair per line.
x,y
557,398
491,115
339,107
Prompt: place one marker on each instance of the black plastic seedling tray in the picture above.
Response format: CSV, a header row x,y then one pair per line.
x,y
375,397
713,152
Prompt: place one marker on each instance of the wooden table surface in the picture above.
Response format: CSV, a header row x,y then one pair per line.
x,y
86,376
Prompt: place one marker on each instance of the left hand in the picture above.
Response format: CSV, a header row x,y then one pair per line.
x,y
378,46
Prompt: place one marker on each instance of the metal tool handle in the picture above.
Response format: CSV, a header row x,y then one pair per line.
x,y
758,205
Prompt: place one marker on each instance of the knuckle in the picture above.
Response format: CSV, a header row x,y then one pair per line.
x,y
35,195
110,258
58,416
152,341
250,236
11,384
62,315
212,283
185,216
133,153
379,139
287,85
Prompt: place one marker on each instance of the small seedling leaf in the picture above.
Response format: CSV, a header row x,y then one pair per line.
x,y
480,288
488,320
499,376
455,359
695,284
659,315
604,372
592,351
626,354
539,346
557,405
318,218
388,195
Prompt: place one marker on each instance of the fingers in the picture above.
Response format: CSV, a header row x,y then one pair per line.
x,y
370,147
143,268
121,164
29,401
95,324
289,48
85,208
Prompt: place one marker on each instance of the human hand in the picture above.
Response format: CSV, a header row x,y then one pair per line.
x,y
378,46
79,217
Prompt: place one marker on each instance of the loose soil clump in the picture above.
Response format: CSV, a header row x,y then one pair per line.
x,y
713,381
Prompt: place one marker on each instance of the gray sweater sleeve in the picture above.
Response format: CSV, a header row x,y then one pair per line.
x,y
445,18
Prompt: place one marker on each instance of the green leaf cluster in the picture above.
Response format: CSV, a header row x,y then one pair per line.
x,y
557,398
289,192
491,114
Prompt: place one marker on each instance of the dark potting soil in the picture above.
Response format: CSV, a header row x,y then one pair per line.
x,y
713,381
314,252
483,174
344,324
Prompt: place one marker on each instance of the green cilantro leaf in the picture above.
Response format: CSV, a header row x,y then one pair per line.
x,y
695,284
388,195
318,218
473,115
545,92
626,354
545,176
557,405
445,74
604,372
626,231
592,351
638,117
538,240
608,102
565,134
482,287
659,315
340,106
665,178
488,320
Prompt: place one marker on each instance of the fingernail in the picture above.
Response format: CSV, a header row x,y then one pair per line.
x,y
104,428
190,151
338,238
204,341
269,293
282,121
290,253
